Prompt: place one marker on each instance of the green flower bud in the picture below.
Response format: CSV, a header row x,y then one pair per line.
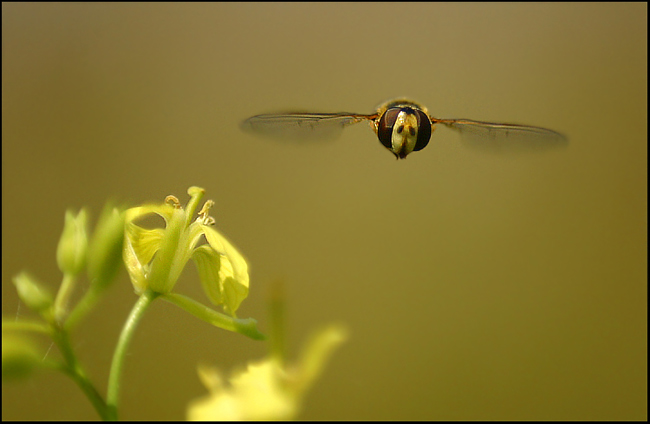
x,y
32,293
71,252
105,249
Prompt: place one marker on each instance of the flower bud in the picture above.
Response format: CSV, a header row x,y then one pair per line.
x,y
32,293
105,249
73,245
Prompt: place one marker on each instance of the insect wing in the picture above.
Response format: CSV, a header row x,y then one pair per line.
x,y
301,126
504,137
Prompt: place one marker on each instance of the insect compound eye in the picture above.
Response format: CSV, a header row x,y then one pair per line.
x,y
424,130
385,127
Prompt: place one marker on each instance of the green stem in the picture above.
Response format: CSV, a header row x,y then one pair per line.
x,y
73,368
82,308
247,327
131,324
276,313
61,301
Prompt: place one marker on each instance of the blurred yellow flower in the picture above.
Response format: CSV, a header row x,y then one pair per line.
x,y
266,389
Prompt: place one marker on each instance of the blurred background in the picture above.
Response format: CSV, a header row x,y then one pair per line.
x,y
475,286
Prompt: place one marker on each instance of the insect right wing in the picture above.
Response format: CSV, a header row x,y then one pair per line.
x,y
302,126
504,137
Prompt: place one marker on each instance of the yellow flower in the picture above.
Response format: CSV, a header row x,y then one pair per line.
x,y
265,390
155,257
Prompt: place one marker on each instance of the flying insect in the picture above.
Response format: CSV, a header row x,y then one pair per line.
x,y
403,126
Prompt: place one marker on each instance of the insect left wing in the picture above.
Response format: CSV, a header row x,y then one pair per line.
x,y
302,126
500,137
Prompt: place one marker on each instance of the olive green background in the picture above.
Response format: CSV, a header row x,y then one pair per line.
x,y
475,286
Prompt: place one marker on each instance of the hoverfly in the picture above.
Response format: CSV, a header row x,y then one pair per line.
x,y
402,126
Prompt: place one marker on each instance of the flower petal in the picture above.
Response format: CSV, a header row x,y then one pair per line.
x,y
145,242
208,264
163,210
223,246
233,271
316,352
256,393
137,270
235,289
219,281
140,245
